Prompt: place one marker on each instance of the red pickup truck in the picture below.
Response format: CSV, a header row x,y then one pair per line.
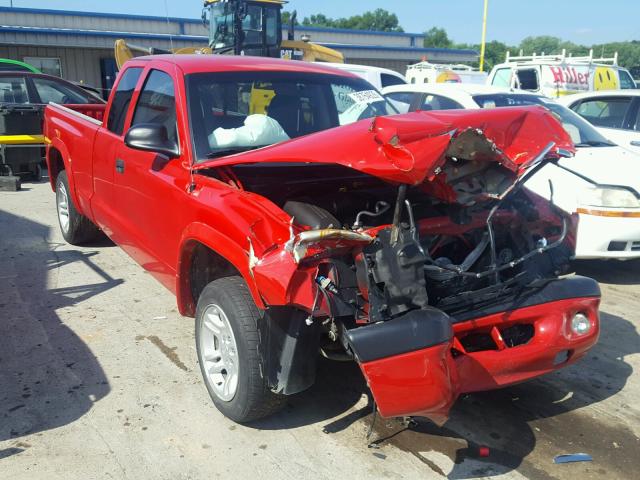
x,y
294,215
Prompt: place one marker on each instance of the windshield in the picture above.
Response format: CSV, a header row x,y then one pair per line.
x,y
582,132
238,111
259,24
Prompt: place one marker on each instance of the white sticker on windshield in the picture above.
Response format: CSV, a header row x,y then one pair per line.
x,y
366,96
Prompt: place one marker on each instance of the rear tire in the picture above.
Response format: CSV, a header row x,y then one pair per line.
x,y
75,227
227,312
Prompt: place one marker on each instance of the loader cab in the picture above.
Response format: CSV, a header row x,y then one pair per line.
x,y
239,27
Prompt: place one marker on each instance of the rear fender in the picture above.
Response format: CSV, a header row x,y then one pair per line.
x,y
58,144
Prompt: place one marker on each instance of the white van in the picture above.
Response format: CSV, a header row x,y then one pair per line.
x,y
377,76
558,75
425,72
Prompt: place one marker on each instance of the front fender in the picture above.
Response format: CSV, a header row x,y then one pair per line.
x,y
219,243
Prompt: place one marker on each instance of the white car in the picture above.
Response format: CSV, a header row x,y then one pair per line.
x,y
377,76
600,185
615,114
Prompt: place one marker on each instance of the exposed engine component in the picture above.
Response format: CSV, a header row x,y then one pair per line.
x,y
381,208
422,252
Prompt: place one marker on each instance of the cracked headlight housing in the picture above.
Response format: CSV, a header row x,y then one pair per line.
x,y
610,197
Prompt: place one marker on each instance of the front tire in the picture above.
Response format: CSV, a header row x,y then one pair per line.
x,y
75,227
227,343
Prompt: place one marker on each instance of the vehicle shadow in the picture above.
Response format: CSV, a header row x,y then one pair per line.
x,y
614,272
48,375
510,421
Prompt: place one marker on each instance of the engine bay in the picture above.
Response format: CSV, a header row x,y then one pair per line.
x,y
424,251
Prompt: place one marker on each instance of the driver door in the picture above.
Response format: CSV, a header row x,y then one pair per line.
x,y
149,187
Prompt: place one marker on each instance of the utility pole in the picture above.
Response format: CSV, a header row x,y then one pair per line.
x,y
484,35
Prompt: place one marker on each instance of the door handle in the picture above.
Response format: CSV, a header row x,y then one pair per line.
x,y
119,165
635,143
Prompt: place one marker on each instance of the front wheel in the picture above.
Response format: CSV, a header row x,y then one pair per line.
x,y
75,227
227,343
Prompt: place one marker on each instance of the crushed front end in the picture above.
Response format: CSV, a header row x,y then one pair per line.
x,y
429,262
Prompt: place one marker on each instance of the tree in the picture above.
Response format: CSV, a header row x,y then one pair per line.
x,y
286,18
543,44
495,52
318,20
379,20
437,38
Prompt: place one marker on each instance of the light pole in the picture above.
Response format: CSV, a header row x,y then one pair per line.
x,y
484,35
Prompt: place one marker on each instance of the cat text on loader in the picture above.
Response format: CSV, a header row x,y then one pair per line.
x,y
242,27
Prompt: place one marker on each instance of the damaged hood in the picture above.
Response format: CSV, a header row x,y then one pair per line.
x,y
413,148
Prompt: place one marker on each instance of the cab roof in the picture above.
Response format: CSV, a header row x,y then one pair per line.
x,y
225,63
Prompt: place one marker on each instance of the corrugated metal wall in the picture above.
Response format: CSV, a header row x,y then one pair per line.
x,y
114,24
78,64
354,38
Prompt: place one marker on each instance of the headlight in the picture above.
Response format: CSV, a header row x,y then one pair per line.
x,y
580,324
612,197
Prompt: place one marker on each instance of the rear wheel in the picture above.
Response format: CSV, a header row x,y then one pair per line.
x,y
75,227
227,343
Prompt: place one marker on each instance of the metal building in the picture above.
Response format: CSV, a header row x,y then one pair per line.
x,y
79,45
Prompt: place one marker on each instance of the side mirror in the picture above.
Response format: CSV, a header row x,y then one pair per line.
x,y
635,143
151,137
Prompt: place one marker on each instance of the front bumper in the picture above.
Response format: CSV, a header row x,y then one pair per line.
x,y
426,381
596,234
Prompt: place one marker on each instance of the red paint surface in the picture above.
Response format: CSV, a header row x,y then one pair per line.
x,y
427,382
421,140
494,369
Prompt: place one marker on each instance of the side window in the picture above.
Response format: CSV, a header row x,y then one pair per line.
x,y
437,102
401,100
57,92
50,66
626,81
13,90
604,112
528,79
122,99
157,103
502,78
388,80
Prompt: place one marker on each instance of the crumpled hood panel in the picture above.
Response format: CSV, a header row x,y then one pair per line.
x,y
412,148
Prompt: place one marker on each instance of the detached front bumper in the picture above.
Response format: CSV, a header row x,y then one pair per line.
x,y
608,237
419,363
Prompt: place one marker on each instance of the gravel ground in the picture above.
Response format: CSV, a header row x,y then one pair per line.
x,y
98,379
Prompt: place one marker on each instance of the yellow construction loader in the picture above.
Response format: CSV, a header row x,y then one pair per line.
x,y
243,27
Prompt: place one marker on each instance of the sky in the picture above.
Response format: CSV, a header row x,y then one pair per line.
x,y
580,21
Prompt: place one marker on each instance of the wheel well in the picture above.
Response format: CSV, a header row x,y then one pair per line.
x,y
200,266
56,164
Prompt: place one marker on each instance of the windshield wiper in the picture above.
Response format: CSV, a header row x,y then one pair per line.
x,y
595,143
231,151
